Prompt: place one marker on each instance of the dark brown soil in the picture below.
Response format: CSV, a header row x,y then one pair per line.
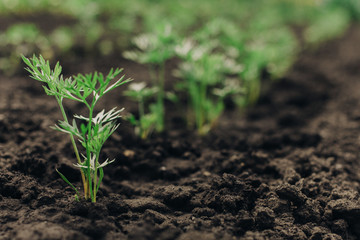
x,y
287,169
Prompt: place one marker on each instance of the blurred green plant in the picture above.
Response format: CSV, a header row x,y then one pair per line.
x,y
352,7
205,79
257,36
327,25
146,121
62,38
259,47
272,51
154,50
21,39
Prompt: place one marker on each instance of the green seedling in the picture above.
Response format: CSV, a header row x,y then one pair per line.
x,y
146,121
352,6
205,77
154,50
327,25
94,129
270,50
63,38
21,38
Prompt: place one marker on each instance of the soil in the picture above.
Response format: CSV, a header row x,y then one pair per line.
x,y
288,168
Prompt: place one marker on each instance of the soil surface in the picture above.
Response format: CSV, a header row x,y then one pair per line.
x,y
288,168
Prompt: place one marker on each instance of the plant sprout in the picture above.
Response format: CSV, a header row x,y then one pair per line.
x,y
21,38
94,129
153,50
327,25
147,121
271,51
206,80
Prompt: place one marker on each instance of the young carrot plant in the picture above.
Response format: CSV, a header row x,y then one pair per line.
x,y
206,81
268,52
328,24
154,50
21,38
146,121
94,129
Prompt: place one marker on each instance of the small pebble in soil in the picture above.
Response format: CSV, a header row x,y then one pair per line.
x,y
129,154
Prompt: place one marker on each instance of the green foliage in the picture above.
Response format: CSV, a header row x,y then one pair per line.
x,y
255,37
147,111
62,38
261,46
94,130
351,6
271,50
21,39
104,25
329,24
204,75
155,49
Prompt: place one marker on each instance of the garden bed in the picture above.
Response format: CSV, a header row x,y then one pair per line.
x,y
288,168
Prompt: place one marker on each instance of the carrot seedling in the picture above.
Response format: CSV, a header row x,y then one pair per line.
x,y
206,80
94,129
147,119
154,50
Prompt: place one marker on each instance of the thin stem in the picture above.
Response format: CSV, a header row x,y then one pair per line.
x,y
59,100
88,153
194,93
141,115
158,79
160,97
152,73
71,136
95,177
203,88
96,183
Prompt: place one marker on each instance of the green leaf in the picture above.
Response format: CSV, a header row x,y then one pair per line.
x,y
83,128
132,120
70,129
101,171
70,184
172,97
